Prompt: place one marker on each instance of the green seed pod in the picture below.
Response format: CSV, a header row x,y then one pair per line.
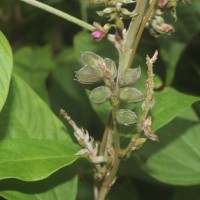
x,y
100,95
130,76
131,95
111,67
91,59
126,117
89,75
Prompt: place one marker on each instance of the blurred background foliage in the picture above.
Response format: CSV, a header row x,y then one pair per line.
x,y
46,54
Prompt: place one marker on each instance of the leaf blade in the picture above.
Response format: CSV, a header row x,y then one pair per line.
x,y
28,119
6,64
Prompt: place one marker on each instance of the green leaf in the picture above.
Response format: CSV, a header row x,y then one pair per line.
x,y
34,143
187,27
176,159
62,185
169,104
64,74
33,65
6,64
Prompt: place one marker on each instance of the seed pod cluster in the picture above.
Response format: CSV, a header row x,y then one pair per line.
x,y
97,70
103,72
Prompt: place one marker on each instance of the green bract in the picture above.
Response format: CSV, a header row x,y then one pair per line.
x,y
130,76
131,95
100,95
89,75
126,117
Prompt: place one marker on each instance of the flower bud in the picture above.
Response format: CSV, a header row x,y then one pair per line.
x,y
130,76
126,117
100,95
98,35
131,95
89,75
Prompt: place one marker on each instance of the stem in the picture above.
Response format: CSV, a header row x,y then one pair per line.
x,y
138,37
61,14
83,5
106,186
135,24
128,148
110,178
105,136
131,35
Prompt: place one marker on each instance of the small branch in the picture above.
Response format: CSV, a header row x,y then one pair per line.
x,y
60,14
141,30
149,96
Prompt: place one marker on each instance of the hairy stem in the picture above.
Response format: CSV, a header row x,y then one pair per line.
x,y
150,92
61,14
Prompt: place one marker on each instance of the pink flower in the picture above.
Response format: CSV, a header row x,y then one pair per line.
x,y
98,35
